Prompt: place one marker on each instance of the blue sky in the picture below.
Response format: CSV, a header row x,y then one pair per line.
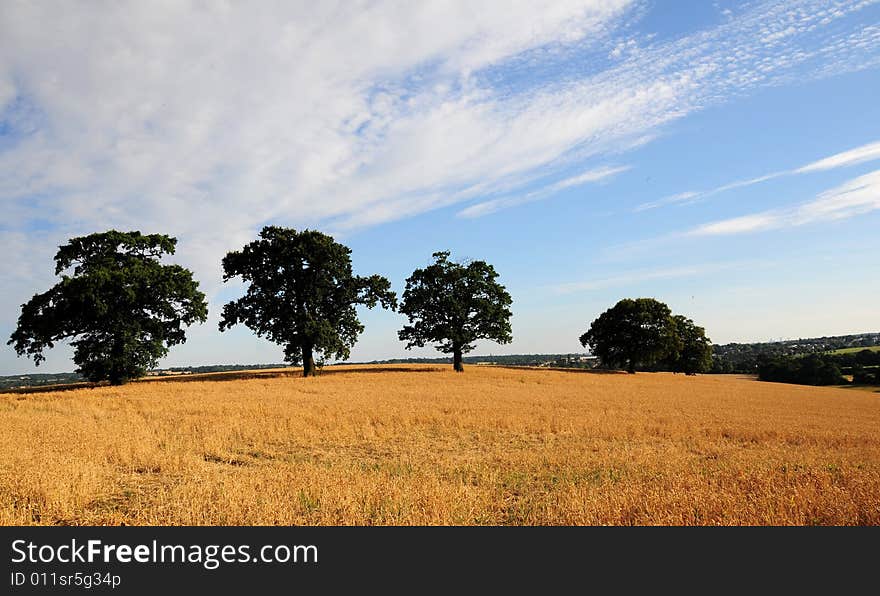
x,y
722,157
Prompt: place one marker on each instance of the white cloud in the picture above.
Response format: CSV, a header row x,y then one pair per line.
x,y
589,176
740,225
637,277
865,153
190,113
855,197
681,197
859,155
594,175
744,183
205,121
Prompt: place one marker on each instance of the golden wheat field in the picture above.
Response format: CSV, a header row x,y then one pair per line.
x,y
424,445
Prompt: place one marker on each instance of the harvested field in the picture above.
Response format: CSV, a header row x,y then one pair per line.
x,y
424,445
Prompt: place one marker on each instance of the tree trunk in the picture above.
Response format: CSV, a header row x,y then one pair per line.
x,y
308,362
456,360
117,355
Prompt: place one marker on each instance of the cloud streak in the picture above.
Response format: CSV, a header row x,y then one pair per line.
x,y
864,154
646,275
855,197
590,176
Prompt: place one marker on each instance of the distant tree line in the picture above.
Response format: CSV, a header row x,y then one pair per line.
x,y
570,360
38,380
812,369
212,368
823,369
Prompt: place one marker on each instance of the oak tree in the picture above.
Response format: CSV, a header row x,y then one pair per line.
x,y
302,294
633,332
453,305
120,306
693,352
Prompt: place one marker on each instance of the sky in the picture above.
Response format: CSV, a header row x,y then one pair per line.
x,y
723,157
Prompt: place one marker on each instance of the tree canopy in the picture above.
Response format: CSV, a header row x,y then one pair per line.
x,y
694,350
122,308
302,294
453,305
811,369
633,332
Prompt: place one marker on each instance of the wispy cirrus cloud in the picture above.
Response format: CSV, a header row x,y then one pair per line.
x,y
381,112
863,154
740,225
594,175
855,197
677,198
631,278
688,197
207,120
859,155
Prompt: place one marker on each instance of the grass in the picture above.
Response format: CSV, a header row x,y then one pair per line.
x,y
423,445
854,350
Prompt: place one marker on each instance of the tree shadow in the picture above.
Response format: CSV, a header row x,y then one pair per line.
x,y
860,387
52,388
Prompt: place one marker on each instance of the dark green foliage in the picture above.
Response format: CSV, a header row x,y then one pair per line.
x,y
860,358
633,333
302,294
694,353
807,370
822,369
864,376
453,305
864,365
123,308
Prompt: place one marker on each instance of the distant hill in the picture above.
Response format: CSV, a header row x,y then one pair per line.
x,y
745,358
38,380
854,350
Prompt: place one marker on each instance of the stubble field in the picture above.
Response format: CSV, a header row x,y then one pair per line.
x,y
424,445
